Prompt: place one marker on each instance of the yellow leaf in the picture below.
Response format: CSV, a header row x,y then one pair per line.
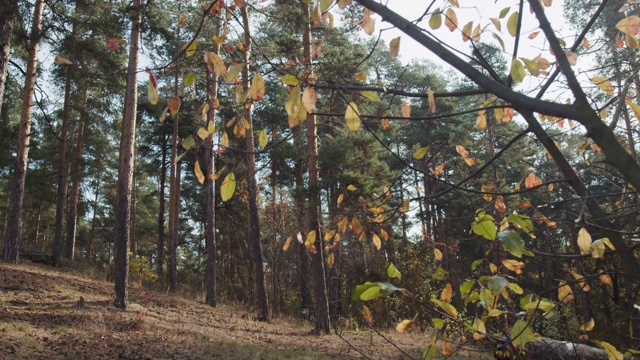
x,y
480,329
530,181
356,227
309,99
352,117
533,35
340,198
263,139
215,64
62,61
420,153
446,348
603,83
438,254
311,239
565,294
198,172
376,241
405,324
605,279
589,325
481,121
584,241
451,19
495,313
499,205
394,47
493,268
437,171
513,265
629,25
612,352
446,293
228,187
330,260
462,151
174,105
470,161
405,206
257,88
432,101
384,234
466,31
163,117
368,24
287,243
351,188
367,315
406,109
635,108
583,284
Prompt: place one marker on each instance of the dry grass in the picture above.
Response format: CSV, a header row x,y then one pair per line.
x,y
40,317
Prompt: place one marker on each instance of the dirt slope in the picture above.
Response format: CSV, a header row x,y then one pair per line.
x,y
42,317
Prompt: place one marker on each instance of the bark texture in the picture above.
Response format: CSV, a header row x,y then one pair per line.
x,y
125,163
7,18
14,214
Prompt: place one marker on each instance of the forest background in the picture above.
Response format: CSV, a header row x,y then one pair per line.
x,y
282,156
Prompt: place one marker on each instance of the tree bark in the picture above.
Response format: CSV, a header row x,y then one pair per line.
x,y
75,189
125,163
14,215
254,220
319,281
210,221
161,210
304,277
7,18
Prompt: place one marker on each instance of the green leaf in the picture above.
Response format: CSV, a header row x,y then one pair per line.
x,y
437,323
496,284
523,222
485,227
393,273
504,12
371,293
190,79
191,49
371,95
515,288
435,21
476,263
512,242
188,142
290,80
517,71
465,288
420,153
228,187
528,303
512,24
440,274
233,72
352,117
263,139
521,334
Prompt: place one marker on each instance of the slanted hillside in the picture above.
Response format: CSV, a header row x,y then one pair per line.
x,y
42,316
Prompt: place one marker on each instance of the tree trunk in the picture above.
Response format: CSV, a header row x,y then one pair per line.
x,y
14,223
319,281
304,273
75,189
7,18
94,217
161,210
125,163
173,208
63,171
254,220
210,221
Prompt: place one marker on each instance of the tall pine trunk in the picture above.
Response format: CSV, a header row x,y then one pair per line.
x,y
210,221
72,217
319,281
7,18
125,163
14,214
254,221
161,210
304,274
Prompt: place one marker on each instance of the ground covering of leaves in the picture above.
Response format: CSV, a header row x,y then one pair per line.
x,y
42,317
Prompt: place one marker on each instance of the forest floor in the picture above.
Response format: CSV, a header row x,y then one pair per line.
x,y
42,317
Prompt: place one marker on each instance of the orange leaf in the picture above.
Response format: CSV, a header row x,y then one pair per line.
x,y
406,109
462,151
